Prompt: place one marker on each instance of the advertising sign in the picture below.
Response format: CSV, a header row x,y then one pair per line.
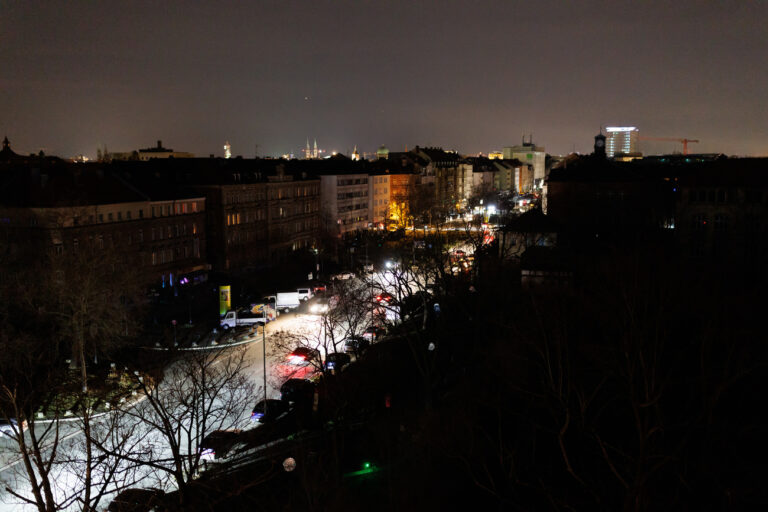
x,y
225,299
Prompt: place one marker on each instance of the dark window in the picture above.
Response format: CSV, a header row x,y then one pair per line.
x,y
721,223
699,222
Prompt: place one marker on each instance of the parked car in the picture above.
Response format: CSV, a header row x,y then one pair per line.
x,y
336,361
274,410
305,293
218,444
356,344
137,500
303,356
374,332
244,317
297,390
11,428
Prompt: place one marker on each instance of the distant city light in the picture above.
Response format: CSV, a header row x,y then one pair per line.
x,y
620,128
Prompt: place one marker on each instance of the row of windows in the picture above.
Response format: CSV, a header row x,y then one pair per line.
x,y
700,222
353,207
181,208
282,231
712,195
156,234
709,196
379,179
100,241
349,195
353,220
176,230
260,194
344,182
110,217
157,211
162,256
280,212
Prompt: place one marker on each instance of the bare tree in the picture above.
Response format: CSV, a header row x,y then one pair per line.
x,y
198,394
67,304
349,313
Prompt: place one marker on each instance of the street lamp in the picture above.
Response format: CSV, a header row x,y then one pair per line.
x,y
264,349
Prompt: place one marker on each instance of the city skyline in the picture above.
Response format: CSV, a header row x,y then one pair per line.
x,y
465,77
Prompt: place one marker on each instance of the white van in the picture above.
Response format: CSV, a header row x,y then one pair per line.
x,y
305,293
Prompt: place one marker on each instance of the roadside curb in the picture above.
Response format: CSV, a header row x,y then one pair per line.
x,y
207,347
138,400
70,420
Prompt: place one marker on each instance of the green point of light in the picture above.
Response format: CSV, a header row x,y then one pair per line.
x,y
367,465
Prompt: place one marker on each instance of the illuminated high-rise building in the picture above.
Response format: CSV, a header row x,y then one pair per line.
x,y
621,139
227,150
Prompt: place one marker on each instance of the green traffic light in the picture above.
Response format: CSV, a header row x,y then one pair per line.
x,y
367,465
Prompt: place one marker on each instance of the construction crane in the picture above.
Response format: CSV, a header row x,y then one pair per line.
x,y
671,139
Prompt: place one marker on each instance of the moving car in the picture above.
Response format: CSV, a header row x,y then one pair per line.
x,y
274,410
319,305
384,298
303,356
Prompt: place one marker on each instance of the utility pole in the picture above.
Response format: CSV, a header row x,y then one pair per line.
x,y
264,352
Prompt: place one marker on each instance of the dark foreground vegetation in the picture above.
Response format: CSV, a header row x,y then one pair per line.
x,y
638,388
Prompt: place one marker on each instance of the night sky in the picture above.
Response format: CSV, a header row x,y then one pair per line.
x,y
470,76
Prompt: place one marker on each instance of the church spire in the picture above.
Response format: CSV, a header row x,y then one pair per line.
x,y
6,144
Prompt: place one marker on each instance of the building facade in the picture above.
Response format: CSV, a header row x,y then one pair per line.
x,y
532,155
67,208
379,189
345,202
621,140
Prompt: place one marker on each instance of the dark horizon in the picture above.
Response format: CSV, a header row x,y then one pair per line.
x,y
470,78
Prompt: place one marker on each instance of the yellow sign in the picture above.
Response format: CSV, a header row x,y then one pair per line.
x,y
225,299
